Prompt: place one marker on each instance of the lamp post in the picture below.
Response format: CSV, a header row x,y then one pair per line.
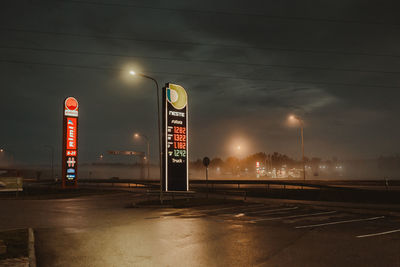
x,y
4,152
301,122
137,135
238,148
159,126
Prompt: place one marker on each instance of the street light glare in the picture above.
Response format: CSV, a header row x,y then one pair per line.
x,y
293,118
136,135
131,72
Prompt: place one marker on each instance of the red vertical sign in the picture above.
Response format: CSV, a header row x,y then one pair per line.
x,y
70,143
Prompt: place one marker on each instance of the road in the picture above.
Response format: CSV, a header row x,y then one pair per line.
x,y
102,231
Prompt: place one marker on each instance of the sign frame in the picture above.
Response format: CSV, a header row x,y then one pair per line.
x,y
174,182
70,144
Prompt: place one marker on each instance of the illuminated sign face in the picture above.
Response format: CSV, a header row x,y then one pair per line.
x,y
71,107
175,124
70,143
71,133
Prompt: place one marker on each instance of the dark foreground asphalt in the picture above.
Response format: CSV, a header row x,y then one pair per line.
x,y
102,231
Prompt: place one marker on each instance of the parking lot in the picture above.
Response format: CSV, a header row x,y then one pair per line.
x,y
103,230
298,217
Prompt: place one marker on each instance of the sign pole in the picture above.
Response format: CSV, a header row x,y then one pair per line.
x,y
69,157
175,139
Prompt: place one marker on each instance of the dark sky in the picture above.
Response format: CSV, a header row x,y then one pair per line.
x,y
245,65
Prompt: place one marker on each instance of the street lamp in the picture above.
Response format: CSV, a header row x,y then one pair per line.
x,y
147,157
294,118
238,151
7,153
133,73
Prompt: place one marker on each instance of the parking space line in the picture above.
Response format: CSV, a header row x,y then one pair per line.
x,y
340,222
382,233
269,211
295,216
229,208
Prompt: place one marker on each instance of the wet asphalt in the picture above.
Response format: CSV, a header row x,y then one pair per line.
x,y
104,230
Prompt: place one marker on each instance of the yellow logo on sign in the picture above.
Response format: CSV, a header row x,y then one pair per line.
x,y
176,95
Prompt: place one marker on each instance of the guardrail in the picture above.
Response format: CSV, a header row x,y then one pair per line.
x,y
148,183
155,183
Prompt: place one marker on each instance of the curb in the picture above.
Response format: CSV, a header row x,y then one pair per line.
x,y
31,248
374,209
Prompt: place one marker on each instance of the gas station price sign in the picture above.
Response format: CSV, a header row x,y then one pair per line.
x,y
175,122
70,143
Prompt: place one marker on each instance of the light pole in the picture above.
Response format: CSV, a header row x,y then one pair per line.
x,y
137,135
159,127
238,147
51,160
11,155
1,153
301,122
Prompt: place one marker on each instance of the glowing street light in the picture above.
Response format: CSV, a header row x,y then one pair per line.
x,y
147,157
133,73
297,119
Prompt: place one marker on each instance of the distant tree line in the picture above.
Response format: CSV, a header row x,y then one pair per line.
x,y
270,161
233,164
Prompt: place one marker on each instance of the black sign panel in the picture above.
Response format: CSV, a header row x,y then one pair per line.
x,y
70,143
175,125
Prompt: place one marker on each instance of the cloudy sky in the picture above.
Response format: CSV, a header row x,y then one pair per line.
x,y
245,68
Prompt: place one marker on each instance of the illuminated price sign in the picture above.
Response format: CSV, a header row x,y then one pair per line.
x,y
70,143
175,122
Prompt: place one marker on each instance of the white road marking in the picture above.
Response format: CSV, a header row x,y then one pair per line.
x,y
269,211
295,216
376,234
339,222
229,208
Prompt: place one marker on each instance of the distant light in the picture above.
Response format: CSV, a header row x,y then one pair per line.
x,y
136,135
1,150
238,147
101,156
131,72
